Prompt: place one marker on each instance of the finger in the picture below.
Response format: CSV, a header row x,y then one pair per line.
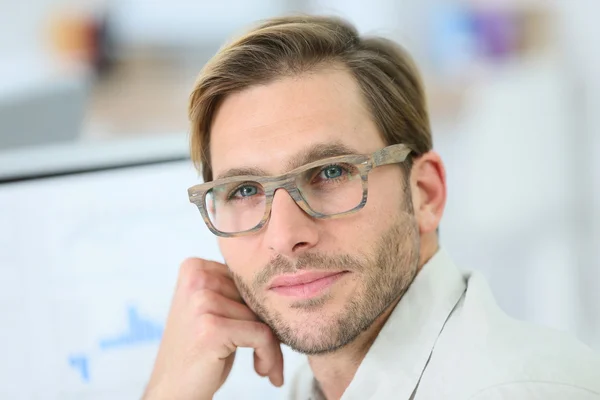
x,y
218,267
219,284
276,372
273,370
210,302
257,367
194,263
236,333
196,274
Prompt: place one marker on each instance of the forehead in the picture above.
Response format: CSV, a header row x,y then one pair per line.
x,y
264,126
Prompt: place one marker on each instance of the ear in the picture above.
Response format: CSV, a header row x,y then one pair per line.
x,y
428,184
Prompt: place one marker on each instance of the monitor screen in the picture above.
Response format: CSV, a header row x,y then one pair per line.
x,y
89,261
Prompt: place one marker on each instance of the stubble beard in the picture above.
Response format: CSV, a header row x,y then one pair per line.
x,y
385,274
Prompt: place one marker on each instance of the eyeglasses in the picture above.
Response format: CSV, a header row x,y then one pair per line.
x,y
328,188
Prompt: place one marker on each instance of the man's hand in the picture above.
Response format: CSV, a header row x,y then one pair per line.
x,y
207,322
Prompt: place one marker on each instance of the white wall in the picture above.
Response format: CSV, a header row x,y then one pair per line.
x,y
582,41
188,23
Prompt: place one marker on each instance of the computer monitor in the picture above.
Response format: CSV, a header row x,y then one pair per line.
x,y
51,111
89,257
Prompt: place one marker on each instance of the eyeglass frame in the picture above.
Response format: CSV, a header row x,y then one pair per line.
x,y
393,154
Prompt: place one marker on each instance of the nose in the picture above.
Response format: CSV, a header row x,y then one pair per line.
x,y
290,230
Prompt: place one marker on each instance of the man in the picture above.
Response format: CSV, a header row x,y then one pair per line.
x,y
325,194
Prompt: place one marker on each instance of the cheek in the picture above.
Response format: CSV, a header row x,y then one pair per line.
x,y
354,234
242,256
385,203
386,192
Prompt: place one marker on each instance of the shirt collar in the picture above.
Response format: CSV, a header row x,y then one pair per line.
x,y
395,362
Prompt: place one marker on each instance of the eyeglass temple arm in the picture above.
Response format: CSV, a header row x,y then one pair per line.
x,y
391,155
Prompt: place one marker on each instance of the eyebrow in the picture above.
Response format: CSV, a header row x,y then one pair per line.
x,y
319,152
315,152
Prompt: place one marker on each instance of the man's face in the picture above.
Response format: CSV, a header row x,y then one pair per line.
x,y
364,261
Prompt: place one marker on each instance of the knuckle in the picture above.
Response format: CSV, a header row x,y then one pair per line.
x,y
192,263
203,302
192,274
264,333
200,280
214,283
209,326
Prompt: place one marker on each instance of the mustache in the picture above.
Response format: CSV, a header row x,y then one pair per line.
x,y
316,261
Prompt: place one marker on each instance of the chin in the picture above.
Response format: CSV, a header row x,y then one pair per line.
x,y
311,340
312,328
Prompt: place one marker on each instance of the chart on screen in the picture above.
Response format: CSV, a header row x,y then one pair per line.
x,y
89,264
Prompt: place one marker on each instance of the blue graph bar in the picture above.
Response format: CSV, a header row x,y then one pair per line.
x,y
80,363
140,330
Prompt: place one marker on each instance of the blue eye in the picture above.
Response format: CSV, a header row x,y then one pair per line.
x,y
246,191
332,172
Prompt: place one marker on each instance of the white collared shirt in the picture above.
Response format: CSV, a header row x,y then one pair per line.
x,y
447,339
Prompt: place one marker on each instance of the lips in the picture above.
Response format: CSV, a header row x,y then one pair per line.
x,y
305,284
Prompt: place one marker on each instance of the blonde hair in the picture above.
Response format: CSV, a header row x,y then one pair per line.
x,y
287,46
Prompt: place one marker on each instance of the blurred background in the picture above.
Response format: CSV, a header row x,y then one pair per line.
x,y
94,218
